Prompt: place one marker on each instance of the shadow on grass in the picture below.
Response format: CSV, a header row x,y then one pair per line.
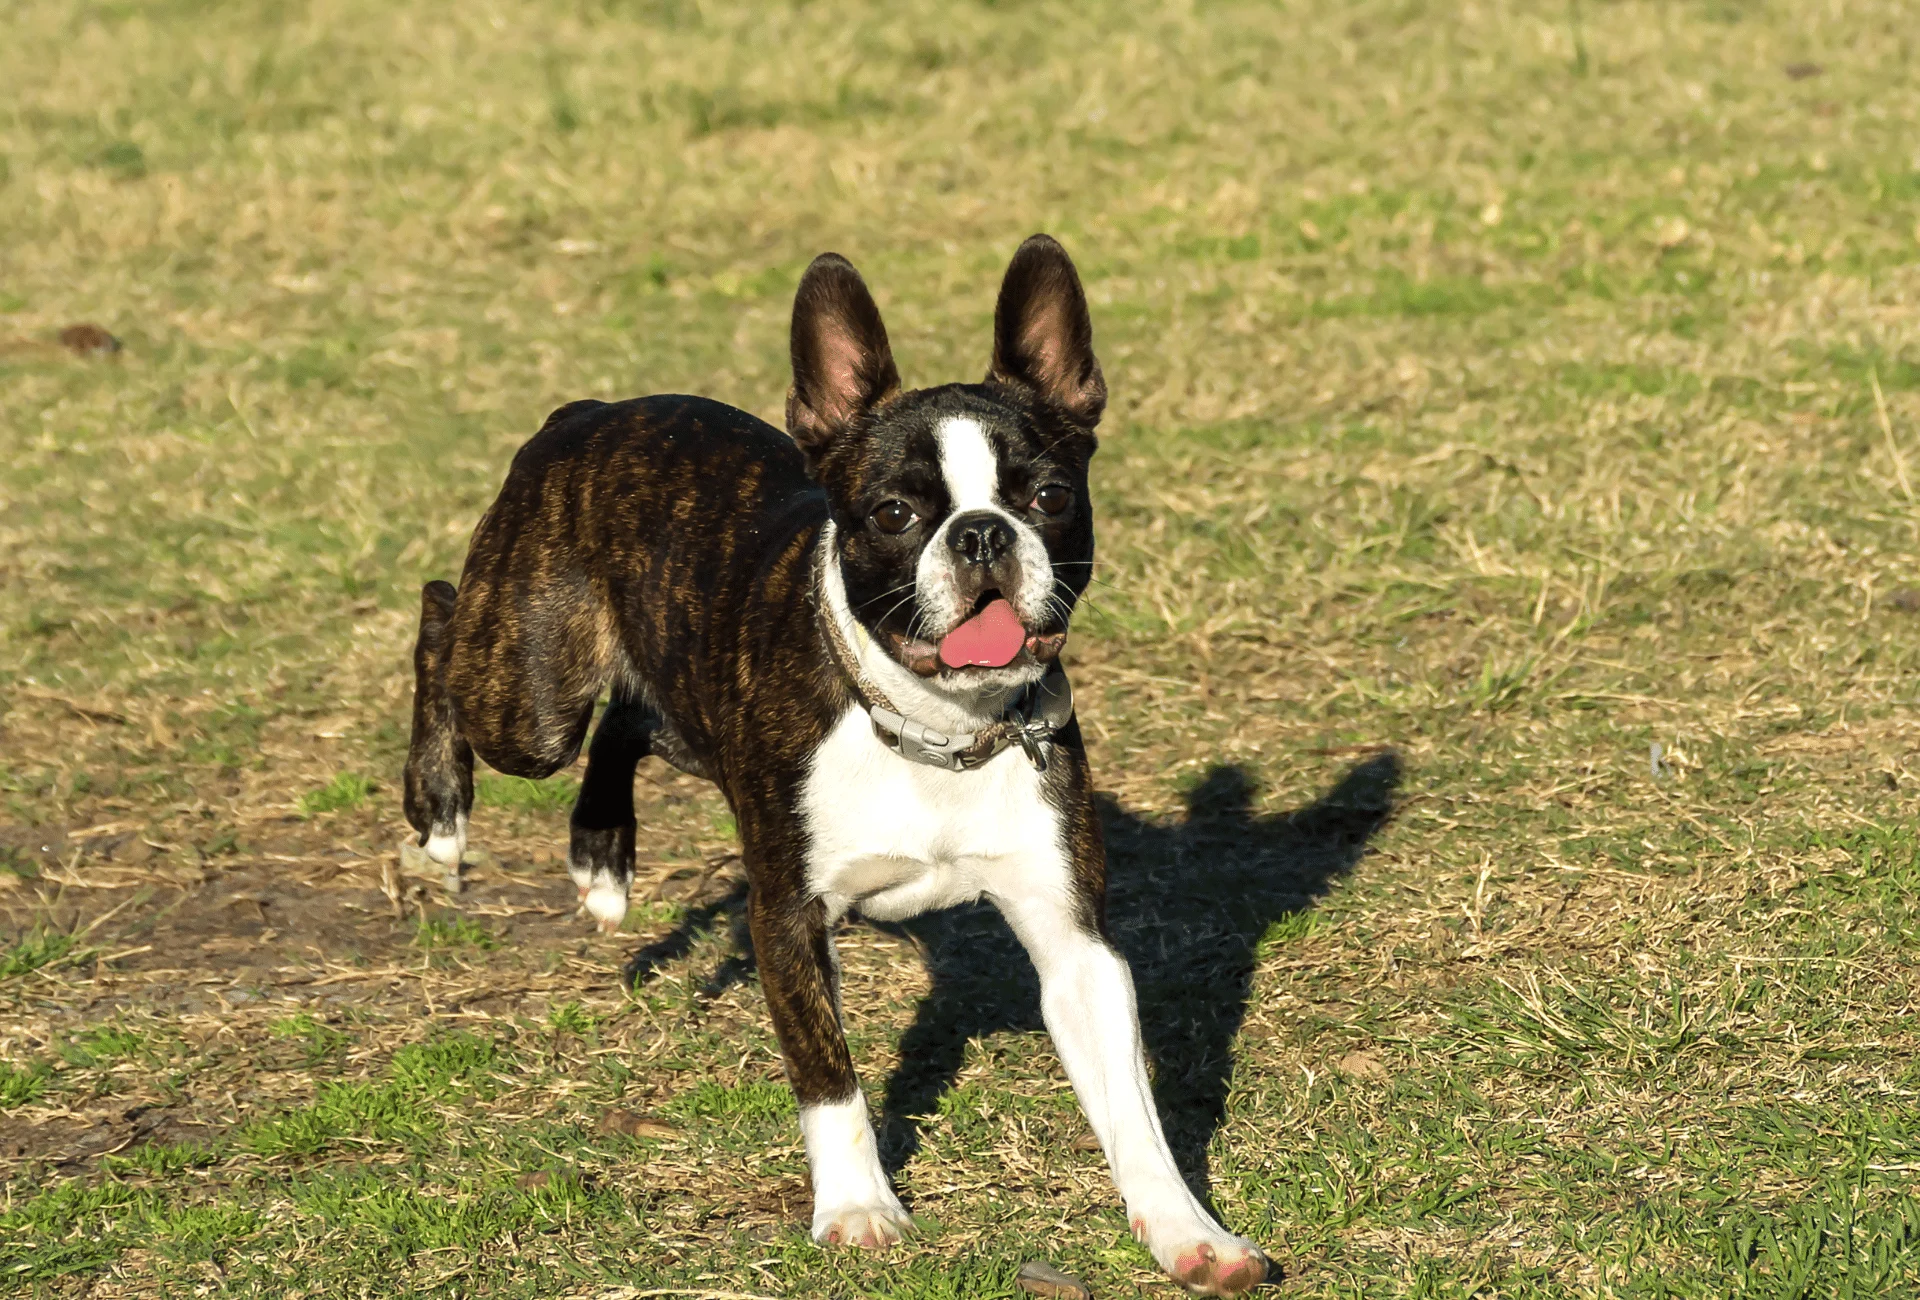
x,y
729,909
1188,904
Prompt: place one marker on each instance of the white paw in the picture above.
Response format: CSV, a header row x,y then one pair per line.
x,y
445,846
582,879
871,1227
1206,1259
606,902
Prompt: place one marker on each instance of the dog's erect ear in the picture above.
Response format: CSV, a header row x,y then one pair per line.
x,y
1042,336
842,366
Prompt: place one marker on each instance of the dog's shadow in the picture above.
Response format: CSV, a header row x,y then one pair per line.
x,y
1189,903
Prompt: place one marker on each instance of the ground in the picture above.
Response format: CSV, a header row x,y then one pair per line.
x,y
1500,677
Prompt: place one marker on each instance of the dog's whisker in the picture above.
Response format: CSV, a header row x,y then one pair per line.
x,y
896,605
1095,605
1104,583
905,586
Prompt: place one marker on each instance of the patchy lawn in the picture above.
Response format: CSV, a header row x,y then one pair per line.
x,y
1501,676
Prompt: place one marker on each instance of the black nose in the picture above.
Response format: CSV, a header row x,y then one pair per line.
x,y
979,537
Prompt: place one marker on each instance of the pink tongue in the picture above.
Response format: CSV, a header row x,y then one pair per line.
x,y
990,639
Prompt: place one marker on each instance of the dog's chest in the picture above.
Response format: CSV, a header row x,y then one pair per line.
x,y
900,838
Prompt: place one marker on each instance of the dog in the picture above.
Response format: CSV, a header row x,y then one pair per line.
x,y
854,629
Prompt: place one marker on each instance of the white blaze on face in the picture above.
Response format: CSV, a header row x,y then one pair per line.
x,y
972,474
968,464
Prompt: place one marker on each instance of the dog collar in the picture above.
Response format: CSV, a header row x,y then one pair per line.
x,y
1031,720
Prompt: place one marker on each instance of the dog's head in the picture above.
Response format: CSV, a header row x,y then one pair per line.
x,y
961,514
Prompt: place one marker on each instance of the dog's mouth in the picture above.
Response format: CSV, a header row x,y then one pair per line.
x,y
992,636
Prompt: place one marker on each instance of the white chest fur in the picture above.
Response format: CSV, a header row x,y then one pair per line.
x,y
899,838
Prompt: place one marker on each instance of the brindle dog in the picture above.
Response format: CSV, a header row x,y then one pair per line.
x,y
853,629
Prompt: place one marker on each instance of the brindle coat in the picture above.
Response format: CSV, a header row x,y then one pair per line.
x,y
664,550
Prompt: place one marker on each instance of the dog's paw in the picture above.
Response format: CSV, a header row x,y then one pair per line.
x,y
1207,1263
603,897
871,1227
606,902
446,845
1212,1268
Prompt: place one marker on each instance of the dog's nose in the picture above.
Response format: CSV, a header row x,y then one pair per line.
x,y
979,537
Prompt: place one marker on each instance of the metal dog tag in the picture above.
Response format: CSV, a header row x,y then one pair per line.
x,y
1049,704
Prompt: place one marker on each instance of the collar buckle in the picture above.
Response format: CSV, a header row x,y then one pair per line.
x,y
920,743
1031,721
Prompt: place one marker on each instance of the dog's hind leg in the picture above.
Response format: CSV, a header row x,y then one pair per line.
x,y
439,786
600,847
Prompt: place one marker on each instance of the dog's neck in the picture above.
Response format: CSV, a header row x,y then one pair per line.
x,y
957,708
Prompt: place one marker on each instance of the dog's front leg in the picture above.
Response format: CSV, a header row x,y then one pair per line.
x,y
852,1203
1087,1000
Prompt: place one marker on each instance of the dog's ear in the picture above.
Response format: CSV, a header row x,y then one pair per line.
x,y
842,365
1042,336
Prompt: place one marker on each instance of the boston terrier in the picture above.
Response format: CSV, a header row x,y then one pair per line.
x,y
854,629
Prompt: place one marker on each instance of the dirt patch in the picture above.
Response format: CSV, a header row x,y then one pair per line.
x,y
789,1201
69,1144
260,963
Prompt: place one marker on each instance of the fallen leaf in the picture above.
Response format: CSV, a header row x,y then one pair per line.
x,y
89,340
1036,1277
1672,233
1364,1065
628,1123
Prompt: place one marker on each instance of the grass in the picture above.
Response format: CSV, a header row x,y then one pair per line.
x,y
347,790
21,1084
752,1102
555,794
1493,383
104,1045
453,932
41,947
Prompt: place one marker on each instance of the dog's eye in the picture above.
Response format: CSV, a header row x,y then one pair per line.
x,y
1051,499
893,516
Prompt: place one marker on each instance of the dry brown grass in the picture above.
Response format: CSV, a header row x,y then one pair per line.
x,y
1516,409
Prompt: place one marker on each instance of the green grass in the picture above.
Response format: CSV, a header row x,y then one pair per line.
x,y
20,1084
346,790
35,950
556,793
162,1161
750,1103
388,1112
453,932
320,1041
1493,381
104,1045
571,1018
